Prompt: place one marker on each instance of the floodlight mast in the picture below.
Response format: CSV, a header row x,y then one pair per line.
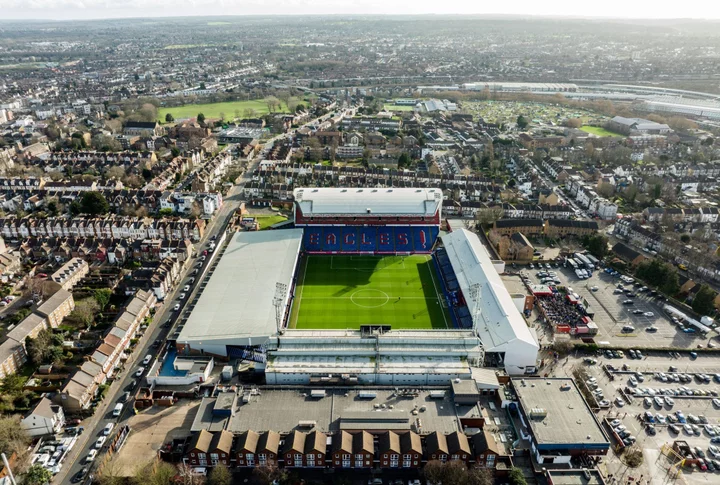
x,y
278,300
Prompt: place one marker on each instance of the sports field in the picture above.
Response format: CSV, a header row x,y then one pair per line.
x,y
213,110
341,292
599,131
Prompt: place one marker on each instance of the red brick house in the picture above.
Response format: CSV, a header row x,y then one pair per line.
x,y
353,450
400,450
221,448
268,447
411,450
305,450
389,450
458,447
245,449
436,447
487,451
197,454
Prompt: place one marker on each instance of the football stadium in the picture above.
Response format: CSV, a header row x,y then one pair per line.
x,y
363,289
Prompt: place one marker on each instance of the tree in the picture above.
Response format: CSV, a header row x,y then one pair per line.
x,y
38,348
516,477
85,311
454,473
606,190
433,471
703,301
169,118
160,473
116,172
480,476
188,476
268,474
222,116
201,118
404,160
272,103
573,123
522,122
597,244
220,475
102,297
685,238
13,439
37,475
94,203
105,143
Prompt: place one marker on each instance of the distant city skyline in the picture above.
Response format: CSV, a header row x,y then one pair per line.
x,y
100,9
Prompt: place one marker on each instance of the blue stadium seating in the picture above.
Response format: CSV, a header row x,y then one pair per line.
x,y
332,237
312,239
368,238
403,239
350,239
385,239
424,237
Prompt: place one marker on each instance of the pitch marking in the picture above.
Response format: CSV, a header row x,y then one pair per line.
x,y
357,294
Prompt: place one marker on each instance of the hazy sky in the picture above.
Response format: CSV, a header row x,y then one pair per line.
x,y
82,9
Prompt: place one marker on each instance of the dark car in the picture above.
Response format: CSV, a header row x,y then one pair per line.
x,y
77,478
156,343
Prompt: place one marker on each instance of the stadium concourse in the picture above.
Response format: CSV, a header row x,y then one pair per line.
x,y
333,300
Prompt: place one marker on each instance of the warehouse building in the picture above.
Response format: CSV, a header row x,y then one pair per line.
x,y
557,421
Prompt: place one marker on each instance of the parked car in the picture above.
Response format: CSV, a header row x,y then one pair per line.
x,y
108,428
91,456
100,441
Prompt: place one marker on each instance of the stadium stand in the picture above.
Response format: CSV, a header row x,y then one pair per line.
x,y
368,221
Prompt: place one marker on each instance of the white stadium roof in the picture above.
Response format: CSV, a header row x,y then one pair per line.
x,y
236,306
368,201
499,324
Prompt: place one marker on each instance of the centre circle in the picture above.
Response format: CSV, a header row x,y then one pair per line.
x,y
369,294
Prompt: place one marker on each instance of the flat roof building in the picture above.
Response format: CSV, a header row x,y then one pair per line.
x,y
560,423
236,308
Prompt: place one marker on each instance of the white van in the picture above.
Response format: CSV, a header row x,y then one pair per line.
x,y
147,359
118,410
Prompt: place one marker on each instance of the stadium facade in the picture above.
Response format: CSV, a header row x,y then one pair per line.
x,y
244,309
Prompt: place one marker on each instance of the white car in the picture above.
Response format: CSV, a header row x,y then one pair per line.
x,y
714,451
108,428
710,429
100,441
648,314
687,428
659,401
669,401
186,288
593,288
619,402
176,307
140,372
91,456
716,402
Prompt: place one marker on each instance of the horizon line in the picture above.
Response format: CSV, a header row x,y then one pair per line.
x,y
367,15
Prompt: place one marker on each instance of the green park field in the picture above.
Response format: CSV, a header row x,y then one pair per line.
x,y
397,107
599,131
344,292
213,110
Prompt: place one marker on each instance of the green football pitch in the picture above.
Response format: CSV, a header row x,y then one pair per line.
x,y
344,292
